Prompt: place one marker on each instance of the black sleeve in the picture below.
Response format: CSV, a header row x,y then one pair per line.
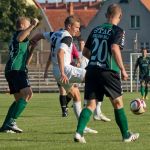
x,y
67,40
119,37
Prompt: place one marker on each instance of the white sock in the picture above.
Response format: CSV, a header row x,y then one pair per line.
x,y
97,110
85,102
77,108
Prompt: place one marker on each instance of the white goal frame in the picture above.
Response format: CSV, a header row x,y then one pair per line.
x,y
132,65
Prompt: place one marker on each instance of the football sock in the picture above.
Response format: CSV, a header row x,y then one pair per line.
x,y
83,120
121,121
9,113
20,106
142,90
85,103
77,108
97,110
146,91
68,99
62,99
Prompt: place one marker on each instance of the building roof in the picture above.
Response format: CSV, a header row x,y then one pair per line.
x,y
57,12
146,3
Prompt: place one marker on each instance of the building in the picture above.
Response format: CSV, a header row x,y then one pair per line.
x,y
135,22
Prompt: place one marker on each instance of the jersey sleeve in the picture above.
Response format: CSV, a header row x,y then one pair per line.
x,y
47,35
65,43
119,37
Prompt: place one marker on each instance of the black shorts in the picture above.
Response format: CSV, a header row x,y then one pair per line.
x,y
100,82
17,80
145,78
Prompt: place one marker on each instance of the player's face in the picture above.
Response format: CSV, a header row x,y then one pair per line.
x,y
25,24
74,28
118,17
144,53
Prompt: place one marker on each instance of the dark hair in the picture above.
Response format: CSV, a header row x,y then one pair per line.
x,y
71,20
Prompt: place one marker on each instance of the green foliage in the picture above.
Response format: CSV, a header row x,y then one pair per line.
x,y
10,10
45,129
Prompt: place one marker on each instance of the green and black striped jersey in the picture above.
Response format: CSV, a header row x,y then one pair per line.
x,y
99,43
18,54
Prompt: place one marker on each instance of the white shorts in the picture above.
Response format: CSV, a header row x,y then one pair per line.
x,y
74,74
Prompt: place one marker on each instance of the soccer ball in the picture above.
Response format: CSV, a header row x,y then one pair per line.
x,y
138,106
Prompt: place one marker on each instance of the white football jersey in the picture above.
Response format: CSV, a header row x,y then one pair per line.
x,y
60,39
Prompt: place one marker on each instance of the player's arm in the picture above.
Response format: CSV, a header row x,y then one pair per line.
x,y
60,57
25,33
47,66
135,68
117,45
30,55
115,49
86,53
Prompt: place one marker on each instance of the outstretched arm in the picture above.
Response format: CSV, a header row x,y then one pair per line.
x,y
25,33
47,66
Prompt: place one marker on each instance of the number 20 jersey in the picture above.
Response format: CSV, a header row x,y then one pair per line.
x,y
99,43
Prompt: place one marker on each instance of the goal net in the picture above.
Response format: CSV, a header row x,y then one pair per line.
x,y
134,84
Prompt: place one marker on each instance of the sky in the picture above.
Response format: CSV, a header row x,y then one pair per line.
x,y
61,0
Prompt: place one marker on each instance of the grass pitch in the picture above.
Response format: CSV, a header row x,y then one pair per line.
x,y
45,129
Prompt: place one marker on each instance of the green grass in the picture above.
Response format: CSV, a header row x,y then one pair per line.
x,y
45,129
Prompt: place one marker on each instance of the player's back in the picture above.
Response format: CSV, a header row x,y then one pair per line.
x,y
99,43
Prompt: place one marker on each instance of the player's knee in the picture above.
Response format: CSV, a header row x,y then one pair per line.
x,y
117,103
27,94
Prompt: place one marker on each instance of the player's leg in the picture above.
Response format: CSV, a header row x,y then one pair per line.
x,y
91,105
142,88
62,100
98,115
121,120
114,91
146,87
77,106
75,93
22,92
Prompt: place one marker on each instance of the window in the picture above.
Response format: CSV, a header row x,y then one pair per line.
x,y
145,45
135,22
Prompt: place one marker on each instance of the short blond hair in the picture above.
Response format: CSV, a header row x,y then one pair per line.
x,y
71,20
20,20
113,10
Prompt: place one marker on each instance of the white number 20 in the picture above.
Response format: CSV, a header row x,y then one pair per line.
x,y
99,46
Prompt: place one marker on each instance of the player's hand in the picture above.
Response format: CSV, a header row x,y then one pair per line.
x,y
124,75
34,22
64,79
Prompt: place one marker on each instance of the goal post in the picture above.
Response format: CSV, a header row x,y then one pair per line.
x,y
134,84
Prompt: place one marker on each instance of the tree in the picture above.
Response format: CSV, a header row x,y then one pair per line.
x,y
10,10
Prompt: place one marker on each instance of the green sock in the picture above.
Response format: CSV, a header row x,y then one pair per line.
x,y
83,120
146,91
9,113
121,121
20,106
142,90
